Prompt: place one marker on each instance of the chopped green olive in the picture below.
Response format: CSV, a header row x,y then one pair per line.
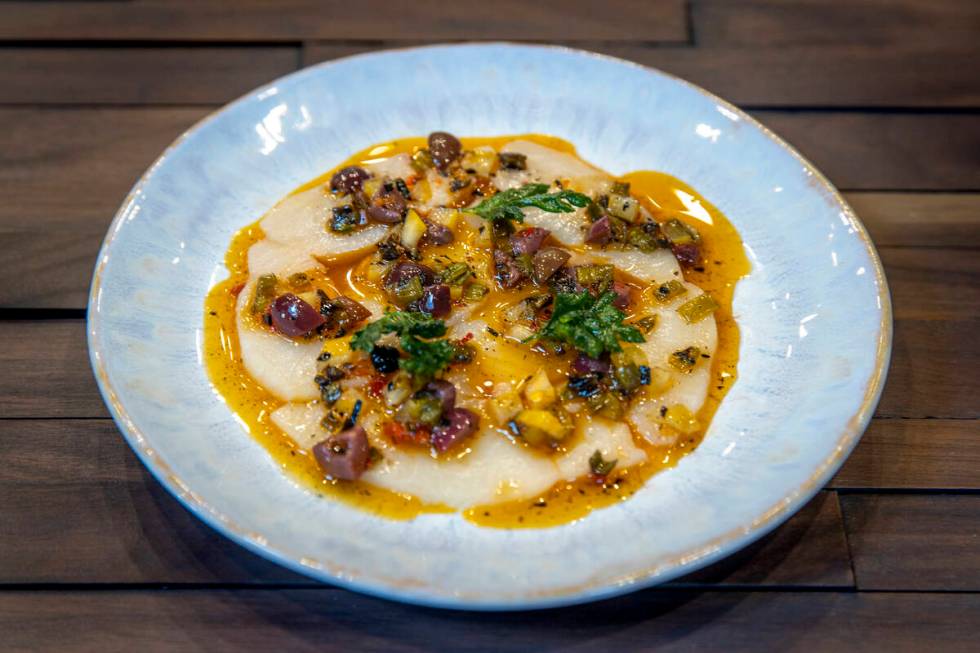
x,y
621,188
679,233
646,324
299,281
265,292
685,359
695,310
474,292
601,275
669,291
422,160
407,291
456,274
421,409
606,404
599,465
642,239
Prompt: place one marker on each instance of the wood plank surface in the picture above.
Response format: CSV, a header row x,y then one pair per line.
x,y
914,542
76,486
138,75
919,219
883,23
915,454
329,620
292,20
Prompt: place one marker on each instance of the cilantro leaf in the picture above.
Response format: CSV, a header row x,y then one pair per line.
x,y
593,326
403,323
506,205
426,357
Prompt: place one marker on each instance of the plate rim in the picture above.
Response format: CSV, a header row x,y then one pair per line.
x,y
685,563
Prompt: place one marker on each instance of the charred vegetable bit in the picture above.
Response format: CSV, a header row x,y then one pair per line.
x,y
384,359
646,324
680,233
599,465
513,161
685,359
697,309
506,205
592,325
265,292
345,219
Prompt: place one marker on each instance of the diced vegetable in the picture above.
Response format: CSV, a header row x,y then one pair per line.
x,y
646,324
407,291
668,292
599,465
299,281
513,160
685,359
626,369
413,229
546,262
600,232
597,275
505,404
421,409
422,160
371,186
680,418
398,389
695,310
539,392
642,237
446,217
456,274
481,161
540,426
265,292
623,207
620,188
660,380
679,233
607,404
474,292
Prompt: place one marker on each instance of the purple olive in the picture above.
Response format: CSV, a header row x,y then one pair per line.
x,y
529,240
293,317
460,424
438,234
345,455
349,179
585,365
384,215
547,261
508,273
436,300
444,391
405,270
444,148
600,232
622,291
688,254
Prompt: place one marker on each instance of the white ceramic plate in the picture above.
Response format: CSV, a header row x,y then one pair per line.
x,y
814,315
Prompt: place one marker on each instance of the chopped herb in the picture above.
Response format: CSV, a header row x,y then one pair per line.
x,y
426,357
506,205
600,466
593,326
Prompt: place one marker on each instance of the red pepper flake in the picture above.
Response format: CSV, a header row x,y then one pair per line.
x,y
376,385
465,339
398,434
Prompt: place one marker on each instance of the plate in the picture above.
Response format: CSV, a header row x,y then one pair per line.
x,y
814,314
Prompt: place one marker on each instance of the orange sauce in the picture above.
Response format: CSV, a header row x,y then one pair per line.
x,y
724,263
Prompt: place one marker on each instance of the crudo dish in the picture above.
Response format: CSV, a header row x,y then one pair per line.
x,y
489,325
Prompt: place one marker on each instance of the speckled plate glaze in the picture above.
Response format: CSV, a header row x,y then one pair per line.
x,y
814,313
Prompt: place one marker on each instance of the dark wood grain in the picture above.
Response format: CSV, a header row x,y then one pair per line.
x,y
329,620
919,219
883,23
914,542
292,20
915,454
866,151
139,75
933,283
76,486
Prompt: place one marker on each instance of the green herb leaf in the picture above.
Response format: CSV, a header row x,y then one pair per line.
x,y
593,326
426,357
506,205
600,466
403,323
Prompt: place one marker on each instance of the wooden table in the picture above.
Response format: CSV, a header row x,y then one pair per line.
x,y
881,95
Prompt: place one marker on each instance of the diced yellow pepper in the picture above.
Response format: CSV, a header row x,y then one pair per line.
x,y
445,217
680,418
539,392
413,229
538,425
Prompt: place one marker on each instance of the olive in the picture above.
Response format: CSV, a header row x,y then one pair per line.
x,y
384,359
293,317
349,179
445,148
